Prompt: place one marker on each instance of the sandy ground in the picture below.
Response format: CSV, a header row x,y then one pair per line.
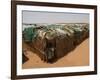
x,y
78,57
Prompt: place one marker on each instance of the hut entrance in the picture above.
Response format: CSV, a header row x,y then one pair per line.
x,y
50,50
